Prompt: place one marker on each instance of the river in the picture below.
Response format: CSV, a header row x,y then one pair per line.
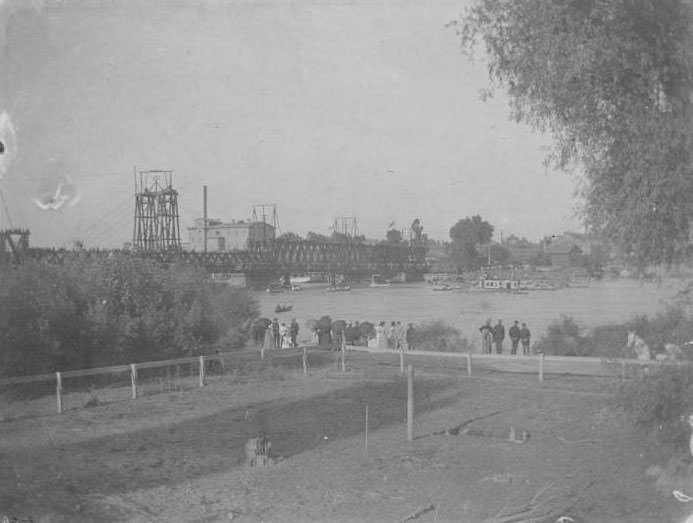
x,y
601,303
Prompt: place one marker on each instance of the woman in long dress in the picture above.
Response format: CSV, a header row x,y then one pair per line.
x,y
268,344
380,336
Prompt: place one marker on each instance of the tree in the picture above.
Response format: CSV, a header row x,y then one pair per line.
x,y
289,237
467,234
317,237
612,82
393,236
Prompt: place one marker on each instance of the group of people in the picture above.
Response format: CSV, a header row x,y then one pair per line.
x,y
281,336
394,336
495,335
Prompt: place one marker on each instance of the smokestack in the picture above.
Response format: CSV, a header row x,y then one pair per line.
x,y
204,215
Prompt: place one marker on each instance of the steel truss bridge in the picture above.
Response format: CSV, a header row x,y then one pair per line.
x,y
271,258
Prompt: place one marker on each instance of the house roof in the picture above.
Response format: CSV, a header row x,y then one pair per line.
x,y
563,247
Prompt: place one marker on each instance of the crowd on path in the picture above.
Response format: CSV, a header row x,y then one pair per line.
x,y
281,336
393,336
494,335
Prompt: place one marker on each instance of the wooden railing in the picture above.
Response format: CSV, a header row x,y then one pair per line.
x,y
199,361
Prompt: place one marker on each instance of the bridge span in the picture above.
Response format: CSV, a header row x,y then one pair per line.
x,y
267,260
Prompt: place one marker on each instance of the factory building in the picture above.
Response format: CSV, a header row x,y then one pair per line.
x,y
225,237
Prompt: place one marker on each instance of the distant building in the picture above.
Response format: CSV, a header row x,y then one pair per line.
x,y
225,237
521,251
564,252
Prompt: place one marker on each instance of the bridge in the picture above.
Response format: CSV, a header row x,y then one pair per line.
x,y
265,260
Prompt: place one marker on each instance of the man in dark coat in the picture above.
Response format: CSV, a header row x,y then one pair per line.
x,y
524,338
514,333
293,332
499,336
275,333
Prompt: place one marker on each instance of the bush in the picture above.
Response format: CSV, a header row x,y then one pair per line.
x,y
656,401
439,336
122,309
564,338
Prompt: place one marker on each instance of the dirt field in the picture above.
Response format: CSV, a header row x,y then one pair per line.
x,y
179,456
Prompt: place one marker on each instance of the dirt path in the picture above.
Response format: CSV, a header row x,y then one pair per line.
x,y
179,457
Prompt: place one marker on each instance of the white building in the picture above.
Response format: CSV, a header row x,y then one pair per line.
x,y
225,237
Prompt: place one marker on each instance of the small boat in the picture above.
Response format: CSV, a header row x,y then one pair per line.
x,y
274,290
296,287
338,288
376,282
283,308
443,287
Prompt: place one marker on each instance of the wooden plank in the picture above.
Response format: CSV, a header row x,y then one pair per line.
x,y
27,379
95,370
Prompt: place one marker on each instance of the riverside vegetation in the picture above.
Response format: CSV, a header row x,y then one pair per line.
x,y
113,311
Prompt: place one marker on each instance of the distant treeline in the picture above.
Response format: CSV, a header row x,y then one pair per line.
x,y
97,312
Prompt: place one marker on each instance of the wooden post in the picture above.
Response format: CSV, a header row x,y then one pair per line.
x,y
305,362
343,357
401,362
541,367
469,363
133,380
365,441
59,391
410,403
202,371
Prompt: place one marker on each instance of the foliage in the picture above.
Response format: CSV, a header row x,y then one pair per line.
x,y
657,401
317,237
393,236
467,234
439,336
110,311
611,81
289,237
564,338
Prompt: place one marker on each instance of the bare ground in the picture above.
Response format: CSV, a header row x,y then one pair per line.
x,y
179,456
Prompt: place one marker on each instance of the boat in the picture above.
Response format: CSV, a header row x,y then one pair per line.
x,y
377,282
282,308
274,288
338,288
442,287
296,287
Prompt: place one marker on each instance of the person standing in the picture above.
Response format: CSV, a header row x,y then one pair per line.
x,y
486,337
284,336
399,336
268,343
410,337
293,332
391,336
514,333
380,336
524,338
275,332
499,336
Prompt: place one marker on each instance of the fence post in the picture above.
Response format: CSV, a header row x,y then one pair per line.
x,y
133,380
59,391
305,362
410,403
343,357
469,363
401,362
202,371
541,367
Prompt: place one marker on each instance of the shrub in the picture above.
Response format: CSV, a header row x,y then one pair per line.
x,y
564,338
439,336
122,309
656,401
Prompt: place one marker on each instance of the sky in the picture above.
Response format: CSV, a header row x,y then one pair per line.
x,y
327,109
